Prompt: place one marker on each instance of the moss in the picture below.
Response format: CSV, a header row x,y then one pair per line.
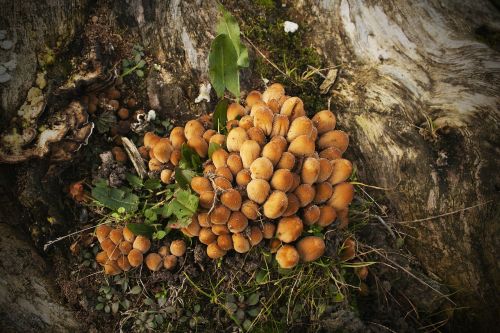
x,y
288,51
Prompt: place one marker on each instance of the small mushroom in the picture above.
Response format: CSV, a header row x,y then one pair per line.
x,y
225,172
243,177
282,180
123,263
261,168
111,268
236,137
263,119
234,163
220,229
341,171
287,256
287,161
256,134
274,91
201,184
240,243
150,140
330,153
101,258
235,110
178,247
303,145
327,216
324,121
199,145
102,231
142,243
218,139
170,261
253,97
220,214
338,139
311,214
305,193
323,192
289,229
207,236
268,230
246,122
249,152
275,205
207,199
219,158
225,242
299,126
255,236
164,251
311,248
325,169
258,190
214,251
342,196
281,124
310,170
177,137
154,262
293,108
273,151
237,222
166,176
193,128
231,199
135,257
293,205
128,235
250,209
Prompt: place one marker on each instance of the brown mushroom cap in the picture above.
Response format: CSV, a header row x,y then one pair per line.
x,y
281,124
342,196
150,140
293,107
289,229
193,128
203,220
327,216
224,172
166,176
258,190
299,126
274,245
263,119
282,180
236,137
323,192
293,205
219,215
119,154
348,249
162,150
142,244
178,247
235,110
281,141
231,199
221,183
111,268
199,145
154,164
268,230
111,249
102,231
234,163
123,263
330,153
287,161
305,193
341,171
250,209
177,137
154,262
261,168
311,214
253,97
237,222
175,157
218,139
273,151
219,158
220,229
310,170
257,134
249,152
310,248
207,236
325,169
208,135
201,184
324,121
243,177
214,251
246,122
194,227
240,243
274,91
225,242
207,199
164,251
255,236
135,257
303,145
101,258
338,139
275,205
170,261
287,256
125,247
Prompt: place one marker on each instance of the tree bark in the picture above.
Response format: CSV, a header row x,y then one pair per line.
x,y
417,92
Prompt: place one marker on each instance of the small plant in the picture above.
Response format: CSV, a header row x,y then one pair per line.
x,y
136,63
227,56
113,298
243,309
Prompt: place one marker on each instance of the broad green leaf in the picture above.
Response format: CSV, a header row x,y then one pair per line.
x,y
212,148
152,184
223,66
253,299
189,158
141,229
182,208
114,198
228,25
183,177
243,56
220,116
134,181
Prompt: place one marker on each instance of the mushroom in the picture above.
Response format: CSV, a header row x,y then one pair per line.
x,y
330,153
310,170
274,245
125,247
305,193
348,249
338,139
170,261
311,214
123,263
275,205
310,248
193,128
253,97
324,121
177,137
219,215
281,141
110,248
250,209
287,161
154,165
102,231
225,242
220,229
111,268
299,126
287,256
263,119
274,91
341,171
234,163
199,145
224,171
214,251
208,135
162,150
164,251
268,230
175,157
207,236
293,205
261,168
135,257
222,183
142,244
249,152
323,192
178,247
203,220
207,199
128,235
219,158
282,180
218,139
255,235
303,145
237,222
193,229
293,108
236,137
246,122
150,140
256,134
119,154
166,176
235,110
273,151
281,124
325,169
258,190
243,177
342,196
154,262
231,199
289,229
240,243
101,258
201,184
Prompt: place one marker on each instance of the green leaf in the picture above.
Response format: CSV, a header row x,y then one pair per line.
x,y
212,148
160,234
99,306
115,198
220,115
134,181
141,229
140,64
152,184
139,73
253,299
253,312
183,177
262,277
228,25
136,290
189,158
243,60
223,66
247,324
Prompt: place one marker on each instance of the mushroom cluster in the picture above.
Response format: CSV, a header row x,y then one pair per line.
x,y
276,173
123,250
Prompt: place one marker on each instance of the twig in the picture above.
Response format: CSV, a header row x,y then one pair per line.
x,y
46,246
446,214
378,217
